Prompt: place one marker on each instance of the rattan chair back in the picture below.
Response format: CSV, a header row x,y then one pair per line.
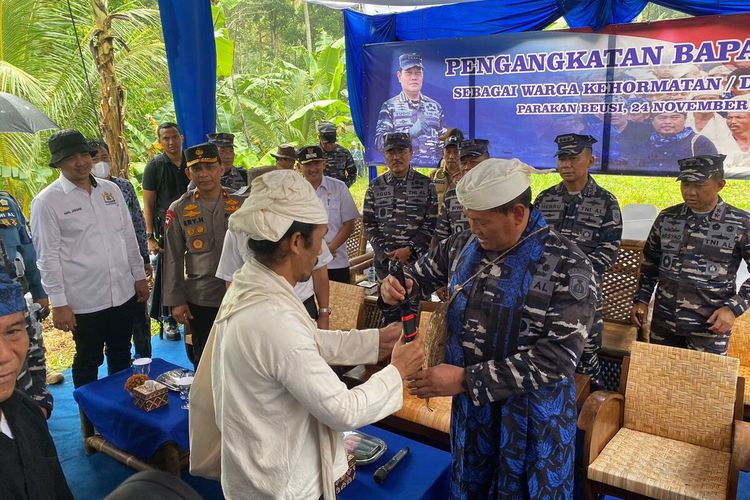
x,y
620,282
681,394
356,242
739,342
346,305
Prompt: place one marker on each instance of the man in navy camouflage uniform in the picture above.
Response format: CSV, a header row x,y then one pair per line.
x,y
234,178
339,161
400,209
525,303
414,113
691,258
452,219
590,216
15,240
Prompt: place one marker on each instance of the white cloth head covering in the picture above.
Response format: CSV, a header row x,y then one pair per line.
x,y
493,183
277,199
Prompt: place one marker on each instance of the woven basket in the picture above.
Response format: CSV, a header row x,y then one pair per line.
x,y
149,401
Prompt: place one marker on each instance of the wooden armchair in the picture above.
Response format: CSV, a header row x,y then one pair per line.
x,y
739,347
674,431
347,303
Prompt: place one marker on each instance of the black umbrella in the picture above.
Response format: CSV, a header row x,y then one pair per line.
x,y
17,115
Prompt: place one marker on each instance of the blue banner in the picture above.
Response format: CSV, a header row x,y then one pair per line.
x,y
649,94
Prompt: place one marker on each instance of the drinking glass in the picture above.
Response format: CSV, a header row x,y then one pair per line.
x,y
142,365
184,384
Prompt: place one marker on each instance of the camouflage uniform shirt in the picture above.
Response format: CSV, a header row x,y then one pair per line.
x,y
399,114
235,178
591,219
554,322
694,259
451,219
340,165
399,213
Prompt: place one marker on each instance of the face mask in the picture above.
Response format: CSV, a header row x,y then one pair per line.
x,y
101,169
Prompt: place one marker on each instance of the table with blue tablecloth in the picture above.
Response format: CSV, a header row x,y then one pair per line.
x,y
424,473
114,425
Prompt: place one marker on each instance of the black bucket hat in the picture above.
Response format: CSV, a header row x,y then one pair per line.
x,y
65,143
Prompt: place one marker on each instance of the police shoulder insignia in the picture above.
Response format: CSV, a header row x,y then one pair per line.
x,y
168,218
579,283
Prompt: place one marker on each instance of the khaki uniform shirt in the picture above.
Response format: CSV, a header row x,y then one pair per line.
x,y
195,231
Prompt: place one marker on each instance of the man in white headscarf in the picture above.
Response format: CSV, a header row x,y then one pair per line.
x,y
267,412
524,303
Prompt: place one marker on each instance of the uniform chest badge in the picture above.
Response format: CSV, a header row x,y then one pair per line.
x,y
200,229
108,198
190,231
3,202
198,244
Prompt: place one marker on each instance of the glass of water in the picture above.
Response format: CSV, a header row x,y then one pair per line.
x,y
184,383
142,365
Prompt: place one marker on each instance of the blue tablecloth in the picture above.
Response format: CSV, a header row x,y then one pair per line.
x,y
423,473
110,408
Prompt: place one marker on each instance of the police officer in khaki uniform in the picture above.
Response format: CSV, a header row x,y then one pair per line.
x,y
195,227
691,258
448,172
452,219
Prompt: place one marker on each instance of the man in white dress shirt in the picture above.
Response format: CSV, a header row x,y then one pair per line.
x,y
88,257
338,202
269,396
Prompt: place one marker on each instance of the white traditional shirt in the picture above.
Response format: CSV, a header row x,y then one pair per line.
x,y
235,252
341,208
86,247
278,408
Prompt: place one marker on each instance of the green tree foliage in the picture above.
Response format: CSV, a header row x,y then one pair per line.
x,y
40,62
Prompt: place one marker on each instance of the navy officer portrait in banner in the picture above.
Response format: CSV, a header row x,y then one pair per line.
x,y
413,112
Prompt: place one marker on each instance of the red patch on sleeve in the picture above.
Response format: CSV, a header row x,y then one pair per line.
x,y
170,215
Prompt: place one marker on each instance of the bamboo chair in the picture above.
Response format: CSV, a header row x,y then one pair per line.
x,y
618,288
739,347
356,249
673,431
347,303
356,242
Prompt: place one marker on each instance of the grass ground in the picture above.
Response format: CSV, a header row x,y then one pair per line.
x,y
659,191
